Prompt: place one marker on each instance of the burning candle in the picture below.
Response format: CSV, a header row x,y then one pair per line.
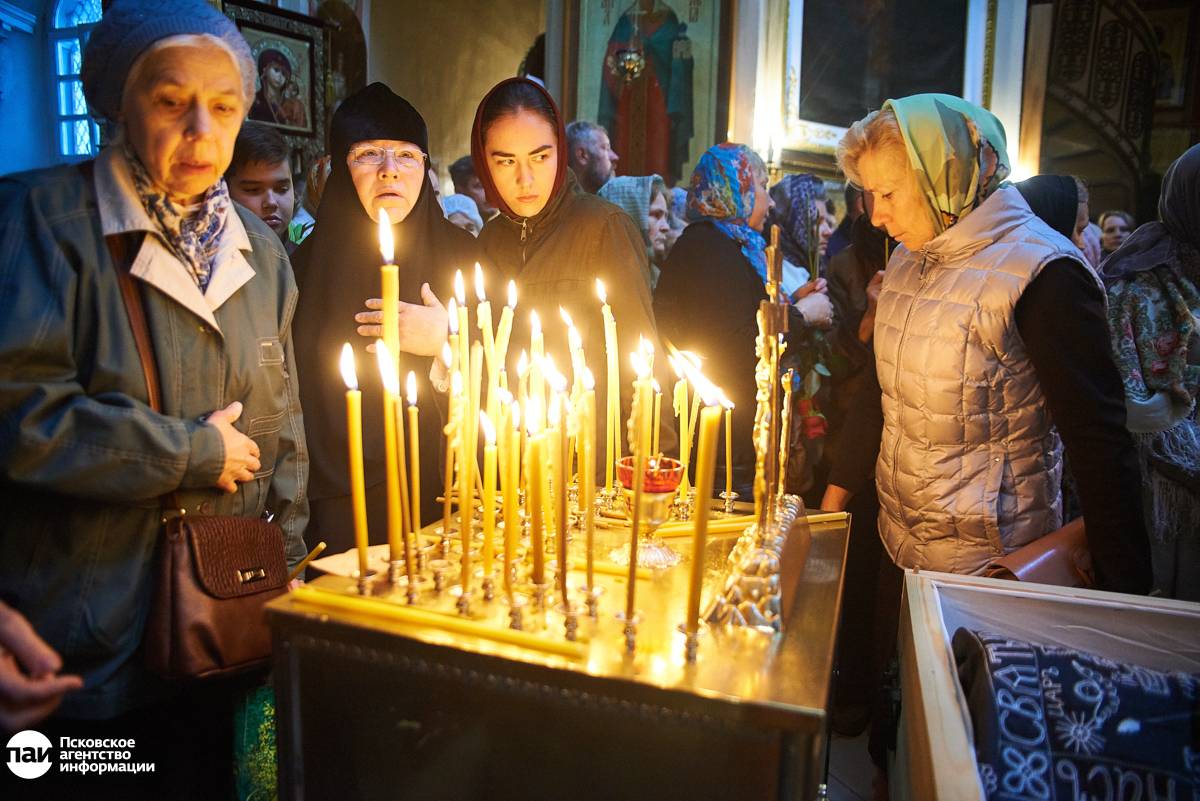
x,y
484,314
453,421
391,290
504,331
393,454
414,455
537,349
467,465
489,492
694,361
452,340
523,399
680,404
612,420
358,491
535,468
657,416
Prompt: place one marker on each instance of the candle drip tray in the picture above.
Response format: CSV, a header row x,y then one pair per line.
x,y
652,553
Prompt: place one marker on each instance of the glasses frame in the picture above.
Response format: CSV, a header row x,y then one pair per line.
x,y
387,151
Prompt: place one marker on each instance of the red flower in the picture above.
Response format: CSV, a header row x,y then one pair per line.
x,y
1159,368
814,426
1168,343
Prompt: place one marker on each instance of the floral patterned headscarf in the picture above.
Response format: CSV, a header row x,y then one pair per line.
x,y
794,197
193,239
958,150
722,190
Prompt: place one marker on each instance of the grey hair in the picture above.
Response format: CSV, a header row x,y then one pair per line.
x,y
244,66
580,132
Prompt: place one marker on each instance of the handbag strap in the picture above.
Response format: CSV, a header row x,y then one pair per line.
x,y
119,248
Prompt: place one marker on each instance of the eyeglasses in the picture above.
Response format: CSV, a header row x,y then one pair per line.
x,y
406,158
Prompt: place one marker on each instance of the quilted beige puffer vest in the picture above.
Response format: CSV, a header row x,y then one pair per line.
x,y
970,466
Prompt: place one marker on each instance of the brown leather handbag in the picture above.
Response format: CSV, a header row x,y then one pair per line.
x,y
212,573
1060,558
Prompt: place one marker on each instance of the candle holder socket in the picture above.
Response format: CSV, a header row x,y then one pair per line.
x,y
365,583
396,571
592,600
629,628
691,643
539,596
440,568
463,604
489,587
729,498
571,610
516,610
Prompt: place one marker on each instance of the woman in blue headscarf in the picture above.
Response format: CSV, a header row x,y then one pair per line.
x,y
713,281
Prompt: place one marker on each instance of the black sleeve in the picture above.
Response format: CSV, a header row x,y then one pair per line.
x,y
1061,318
861,436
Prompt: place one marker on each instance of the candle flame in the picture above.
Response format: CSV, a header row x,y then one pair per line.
x,y
522,364
639,365
452,315
691,357
412,389
456,384
710,393
566,317
589,383
347,367
387,371
600,291
574,338
675,367
489,430
553,415
649,346
535,322
385,237
512,294
479,289
654,383
516,415
447,354
504,395
459,292
726,402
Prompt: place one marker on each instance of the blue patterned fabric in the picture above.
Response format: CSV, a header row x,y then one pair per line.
x,y
193,239
1056,724
722,190
793,214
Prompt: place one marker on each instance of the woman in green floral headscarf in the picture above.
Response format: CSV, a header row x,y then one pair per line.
x,y
990,342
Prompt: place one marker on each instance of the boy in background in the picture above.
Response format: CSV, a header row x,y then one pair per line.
x,y
260,177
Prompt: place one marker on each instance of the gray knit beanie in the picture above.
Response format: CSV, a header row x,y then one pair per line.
x,y
130,27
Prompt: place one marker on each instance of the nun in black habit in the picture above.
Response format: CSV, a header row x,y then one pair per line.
x,y
337,270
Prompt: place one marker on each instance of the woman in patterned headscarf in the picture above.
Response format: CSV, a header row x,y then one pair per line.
x,y
990,343
713,281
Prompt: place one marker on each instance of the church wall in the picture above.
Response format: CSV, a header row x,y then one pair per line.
x,y
446,60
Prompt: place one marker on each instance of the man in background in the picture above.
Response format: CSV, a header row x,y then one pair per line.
x,y
840,237
466,182
260,177
591,154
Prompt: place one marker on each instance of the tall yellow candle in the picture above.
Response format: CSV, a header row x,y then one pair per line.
x,y
523,399
392,453
453,446
467,465
657,417
537,383
452,340
512,483
414,455
484,314
504,330
587,467
679,402
612,419
643,402
553,487
489,492
560,492
706,459
694,362
391,290
464,329
535,468
358,491
728,404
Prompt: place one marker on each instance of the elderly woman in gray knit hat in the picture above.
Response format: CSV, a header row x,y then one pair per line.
x,y
84,458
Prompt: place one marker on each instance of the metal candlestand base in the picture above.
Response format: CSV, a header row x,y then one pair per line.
x,y
364,582
439,567
691,645
463,605
396,571
630,628
516,609
571,612
729,498
607,498
412,594
652,553
592,595
423,559
489,587
539,597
